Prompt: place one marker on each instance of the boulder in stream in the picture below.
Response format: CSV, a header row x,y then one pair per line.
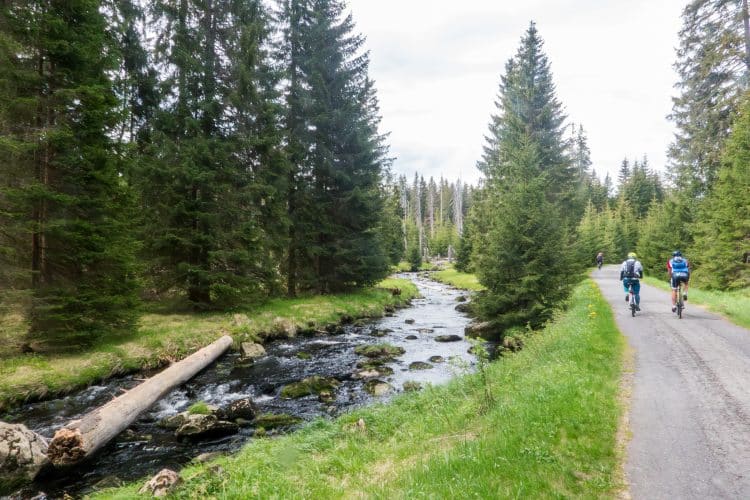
x,y
309,386
242,408
409,321
486,330
381,351
23,453
411,337
274,420
161,484
448,338
436,359
419,365
252,351
463,307
412,385
378,387
205,425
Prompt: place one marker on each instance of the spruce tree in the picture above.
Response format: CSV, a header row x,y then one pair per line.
x,y
69,208
335,149
712,63
524,260
722,237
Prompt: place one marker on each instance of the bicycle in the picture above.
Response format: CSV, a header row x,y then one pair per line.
x,y
631,299
599,265
680,305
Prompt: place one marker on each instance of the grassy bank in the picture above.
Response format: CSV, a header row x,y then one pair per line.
x,y
550,432
735,306
161,338
458,279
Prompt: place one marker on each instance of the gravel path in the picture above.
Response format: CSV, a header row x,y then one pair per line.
x,y
690,406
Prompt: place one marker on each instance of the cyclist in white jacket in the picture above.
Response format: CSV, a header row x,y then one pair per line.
x,y
630,273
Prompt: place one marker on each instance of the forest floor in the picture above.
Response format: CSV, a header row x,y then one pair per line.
x,y
538,423
161,338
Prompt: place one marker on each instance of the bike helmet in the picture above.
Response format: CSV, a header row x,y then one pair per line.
x,y
632,255
676,253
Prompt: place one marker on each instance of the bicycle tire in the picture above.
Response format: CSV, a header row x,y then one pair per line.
x,y
679,302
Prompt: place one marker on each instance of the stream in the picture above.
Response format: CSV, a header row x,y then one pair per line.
x,y
145,448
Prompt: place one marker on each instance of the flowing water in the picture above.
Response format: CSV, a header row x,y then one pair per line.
x,y
145,448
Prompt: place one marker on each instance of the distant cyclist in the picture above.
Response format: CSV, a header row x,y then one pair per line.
x,y
678,268
631,272
599,259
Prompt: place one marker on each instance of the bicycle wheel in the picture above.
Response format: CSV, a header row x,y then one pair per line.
x,y
679,302
632,303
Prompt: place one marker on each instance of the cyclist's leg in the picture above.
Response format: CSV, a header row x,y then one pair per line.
x,y
625,286
673,284
685,287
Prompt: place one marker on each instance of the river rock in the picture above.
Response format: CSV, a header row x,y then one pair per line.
x,y
461,298
326,396
409,321
375,332
513,344
205,425
252,350
448,338
378,387
362,374
411,337
463,307
485,330
174,421
283,328
309,385
425,330
436,359
161,484
419,365
274,420
242,408
412,385
382,351
23,453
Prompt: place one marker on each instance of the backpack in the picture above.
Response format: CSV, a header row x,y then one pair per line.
x,y
630,269
679,265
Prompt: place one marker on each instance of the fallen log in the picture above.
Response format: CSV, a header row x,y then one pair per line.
x,y
81,438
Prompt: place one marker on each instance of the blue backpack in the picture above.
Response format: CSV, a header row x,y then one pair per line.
x,y
679,266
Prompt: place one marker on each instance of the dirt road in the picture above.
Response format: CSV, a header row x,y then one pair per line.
x,y
690,406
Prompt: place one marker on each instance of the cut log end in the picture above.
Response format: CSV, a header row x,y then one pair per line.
x,y
66,447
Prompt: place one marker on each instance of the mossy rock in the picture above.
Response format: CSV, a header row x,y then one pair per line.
x,y
304,355
448,338
378,387
379,350
412,385
267,421
307,386
436,359
419,365
201,408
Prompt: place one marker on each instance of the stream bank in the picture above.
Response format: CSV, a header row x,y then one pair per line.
x,y
146,447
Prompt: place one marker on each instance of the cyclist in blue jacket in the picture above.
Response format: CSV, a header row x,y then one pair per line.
x,y
678,268
630,273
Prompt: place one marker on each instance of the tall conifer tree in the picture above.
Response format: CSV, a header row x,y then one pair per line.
x,y
524,262
69,207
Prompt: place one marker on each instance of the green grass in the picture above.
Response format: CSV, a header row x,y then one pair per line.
x,y
458,279
161,338
735,306
550,433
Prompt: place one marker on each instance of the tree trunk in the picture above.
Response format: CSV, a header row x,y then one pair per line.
x,y
746,23
81,438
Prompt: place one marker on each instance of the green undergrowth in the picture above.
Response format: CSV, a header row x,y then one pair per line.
x,y
161,338
735,305
547,431
465,281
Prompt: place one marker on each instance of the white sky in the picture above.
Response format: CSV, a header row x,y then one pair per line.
x,y
437,67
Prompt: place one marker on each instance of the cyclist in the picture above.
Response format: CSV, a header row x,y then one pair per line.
x,y
630,273
599,259
678,268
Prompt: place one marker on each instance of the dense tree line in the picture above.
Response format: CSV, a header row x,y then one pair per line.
x,y
704,212
428,216
218,151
